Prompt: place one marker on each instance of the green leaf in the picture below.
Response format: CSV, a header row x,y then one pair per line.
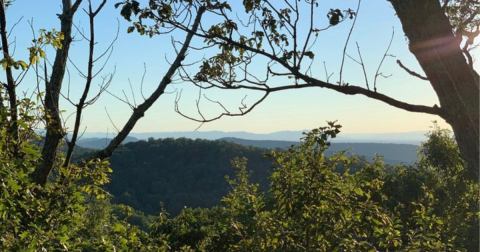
x,y
23,64
358,191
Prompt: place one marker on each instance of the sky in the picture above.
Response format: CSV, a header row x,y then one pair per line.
x,y
288,110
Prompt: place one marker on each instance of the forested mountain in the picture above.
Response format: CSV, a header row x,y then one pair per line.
x,y
179,172
184,172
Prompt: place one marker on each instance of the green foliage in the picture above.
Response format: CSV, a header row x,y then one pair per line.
x,y
441,152
195,229
34,218
53,38
463,14
57,217
444,197
310,207
336,16
10,62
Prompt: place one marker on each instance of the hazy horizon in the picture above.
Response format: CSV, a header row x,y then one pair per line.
x,y
413,137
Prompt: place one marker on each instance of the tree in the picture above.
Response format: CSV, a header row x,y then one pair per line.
x,y
436,45
53,80
435,31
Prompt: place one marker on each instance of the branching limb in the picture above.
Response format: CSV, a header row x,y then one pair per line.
x,y
243,110
352,90
89,78
139,111
311,82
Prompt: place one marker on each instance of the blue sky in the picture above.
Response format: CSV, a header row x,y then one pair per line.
x,y
290,110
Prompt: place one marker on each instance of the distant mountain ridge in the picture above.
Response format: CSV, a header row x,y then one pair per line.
x,y
368,145
392,153
415,137
100,143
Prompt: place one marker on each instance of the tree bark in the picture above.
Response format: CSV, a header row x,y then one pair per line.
x,y
456,84
53,87
10,85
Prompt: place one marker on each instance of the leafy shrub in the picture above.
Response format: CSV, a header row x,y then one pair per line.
x,y
311,207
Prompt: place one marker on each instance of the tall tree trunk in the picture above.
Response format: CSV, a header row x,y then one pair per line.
x,y
53,87
456,84
10,85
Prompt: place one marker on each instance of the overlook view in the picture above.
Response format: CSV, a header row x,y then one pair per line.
x,y
255,125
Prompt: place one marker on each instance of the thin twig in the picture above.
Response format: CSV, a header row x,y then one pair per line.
x,y
111,121
327,76
381,62
346,42
363,66
411,72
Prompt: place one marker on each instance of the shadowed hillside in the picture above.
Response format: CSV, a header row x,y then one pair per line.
x,y
179,172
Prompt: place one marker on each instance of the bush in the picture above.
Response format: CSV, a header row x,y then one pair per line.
x,y
310,207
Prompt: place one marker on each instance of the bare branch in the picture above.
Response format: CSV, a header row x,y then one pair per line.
x,y
327,76
307,40
227,113
143,79
89,78
120,99
363,66
411,72
111,121
381,62
99,8
74,7
340,82
13,26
